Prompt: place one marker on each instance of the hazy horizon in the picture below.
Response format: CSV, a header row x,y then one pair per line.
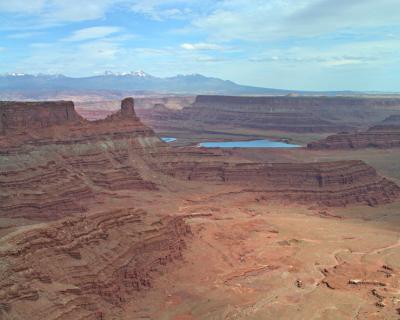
x,y
313,45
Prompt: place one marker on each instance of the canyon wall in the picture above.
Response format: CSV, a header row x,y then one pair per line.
x,y
392,119
30,115
86,267
295,102
384,136
292,114
327,183
55,170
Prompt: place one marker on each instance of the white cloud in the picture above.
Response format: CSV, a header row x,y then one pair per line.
x,y
82,58
257,20
201,46
24,35
36,14
92,33
76,10
246,20
169,9
21,6
366,53
209,59
330,15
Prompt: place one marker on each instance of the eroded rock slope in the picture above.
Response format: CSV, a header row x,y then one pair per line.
x,y
384,136
86,267
284,113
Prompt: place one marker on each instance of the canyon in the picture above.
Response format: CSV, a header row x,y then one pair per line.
x,y
383,135
284,113
102,220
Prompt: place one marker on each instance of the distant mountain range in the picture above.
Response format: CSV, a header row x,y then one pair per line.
x,y
138,81
130,81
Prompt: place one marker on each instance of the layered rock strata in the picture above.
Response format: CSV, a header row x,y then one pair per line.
x,y
382,136
293,114
331,183
52,170
33,115
392,119
86,267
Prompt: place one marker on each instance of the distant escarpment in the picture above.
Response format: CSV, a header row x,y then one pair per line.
x,y
385,135
328,183
392,119
86,267
284,113
53,161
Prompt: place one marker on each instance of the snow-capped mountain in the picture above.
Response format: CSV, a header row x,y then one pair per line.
x,y
14,74
139,73
139,81
128,81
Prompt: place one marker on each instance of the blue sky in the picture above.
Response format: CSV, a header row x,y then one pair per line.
x,y
293,44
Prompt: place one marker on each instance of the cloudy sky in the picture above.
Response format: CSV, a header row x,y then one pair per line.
x,y
293,44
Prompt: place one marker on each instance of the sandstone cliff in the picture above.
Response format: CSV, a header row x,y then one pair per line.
x,y
293,114
392,119
329,183
86,267
52,170
384,136
33,115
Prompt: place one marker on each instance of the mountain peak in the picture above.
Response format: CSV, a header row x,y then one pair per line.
x,y
130,81
37,75
139,73
15,74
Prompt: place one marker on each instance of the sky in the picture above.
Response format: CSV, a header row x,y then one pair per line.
x,y
290,44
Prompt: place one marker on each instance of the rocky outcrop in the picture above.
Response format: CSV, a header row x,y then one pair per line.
x,y
95,110
332,183
162,118
15,116
297,102
284,113
382,136
86,267
392,119
51,167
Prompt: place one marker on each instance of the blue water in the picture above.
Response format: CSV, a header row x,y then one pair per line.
x,y
248,144
168,139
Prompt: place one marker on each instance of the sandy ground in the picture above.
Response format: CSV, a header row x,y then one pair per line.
x,y
252,260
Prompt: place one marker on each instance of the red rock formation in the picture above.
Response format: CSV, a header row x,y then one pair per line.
x,y
50,166
294,114
297,102
331,183
15,116
380,136
392,119
86,267
53,170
